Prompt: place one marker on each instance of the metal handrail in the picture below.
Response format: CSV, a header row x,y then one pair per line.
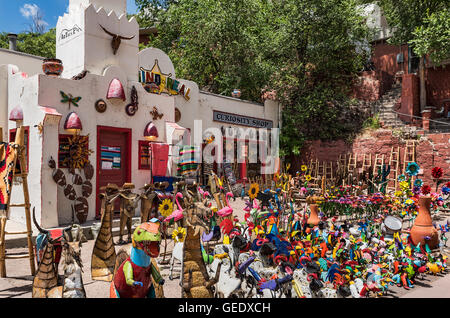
x,y
418,117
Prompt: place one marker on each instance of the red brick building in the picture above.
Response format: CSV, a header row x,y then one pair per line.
x,y
398,62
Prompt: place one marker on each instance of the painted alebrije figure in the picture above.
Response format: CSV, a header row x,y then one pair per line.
x,y
133,278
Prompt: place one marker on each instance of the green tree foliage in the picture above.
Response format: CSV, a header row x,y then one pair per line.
x,y
433,37
405,17
318,51
421,24
33,43
307,52
214,43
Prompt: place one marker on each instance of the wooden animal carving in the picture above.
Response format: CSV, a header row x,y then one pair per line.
x,y
104,253
45,282
116,39
128,204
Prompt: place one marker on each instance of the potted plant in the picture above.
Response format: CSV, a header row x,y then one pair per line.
x,y
52,67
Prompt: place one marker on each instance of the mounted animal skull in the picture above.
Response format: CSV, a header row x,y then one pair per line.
x,y
116,39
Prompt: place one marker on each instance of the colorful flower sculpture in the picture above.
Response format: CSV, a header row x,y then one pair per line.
x,y
165,208
412,169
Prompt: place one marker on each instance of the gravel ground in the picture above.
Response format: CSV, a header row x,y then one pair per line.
x,y
18,283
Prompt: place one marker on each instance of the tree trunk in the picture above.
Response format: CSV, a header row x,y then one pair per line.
x,y
423,92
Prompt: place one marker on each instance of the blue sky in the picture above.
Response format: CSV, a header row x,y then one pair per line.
x,y
15,15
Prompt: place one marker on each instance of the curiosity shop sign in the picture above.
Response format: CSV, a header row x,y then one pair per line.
x,y
241,120
156,82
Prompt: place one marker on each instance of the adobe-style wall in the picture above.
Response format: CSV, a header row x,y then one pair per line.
x,y
372,85
438,85
431,150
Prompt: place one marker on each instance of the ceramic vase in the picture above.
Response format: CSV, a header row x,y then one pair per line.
x,y
52,67
313,219
423,225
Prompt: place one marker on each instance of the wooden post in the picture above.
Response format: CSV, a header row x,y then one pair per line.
x,y
23,174
26,195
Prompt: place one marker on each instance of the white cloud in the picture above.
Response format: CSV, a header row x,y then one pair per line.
x,y
29,10
33,12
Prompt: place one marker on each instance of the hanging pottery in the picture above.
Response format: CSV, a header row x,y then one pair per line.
x,y
100,106
69,192
88,171
77,179
86,189
59,177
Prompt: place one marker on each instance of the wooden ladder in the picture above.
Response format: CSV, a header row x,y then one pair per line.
x,y
320,169
378,163
352,162
314,168
367,162
19,141
328,170
410,153
343,161
394,163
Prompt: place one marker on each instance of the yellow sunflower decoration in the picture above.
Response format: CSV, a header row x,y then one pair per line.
x,y
308,178
304,168
254,190
165,208
404,185
179,234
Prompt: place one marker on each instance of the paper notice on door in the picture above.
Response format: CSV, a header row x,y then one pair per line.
x,y
107,165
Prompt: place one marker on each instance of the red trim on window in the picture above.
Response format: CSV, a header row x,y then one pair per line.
x,y
26,132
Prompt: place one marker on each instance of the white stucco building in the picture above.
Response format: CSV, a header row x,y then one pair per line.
x,y
116,138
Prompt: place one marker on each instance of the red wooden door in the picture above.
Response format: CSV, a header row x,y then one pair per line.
x,y
113,159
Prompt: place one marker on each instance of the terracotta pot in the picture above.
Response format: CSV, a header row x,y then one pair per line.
x,y
423,225
313,219
52,67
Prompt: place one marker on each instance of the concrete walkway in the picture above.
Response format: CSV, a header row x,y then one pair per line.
x,y
439,288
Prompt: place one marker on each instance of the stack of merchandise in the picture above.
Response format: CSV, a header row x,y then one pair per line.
x,y
187,165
